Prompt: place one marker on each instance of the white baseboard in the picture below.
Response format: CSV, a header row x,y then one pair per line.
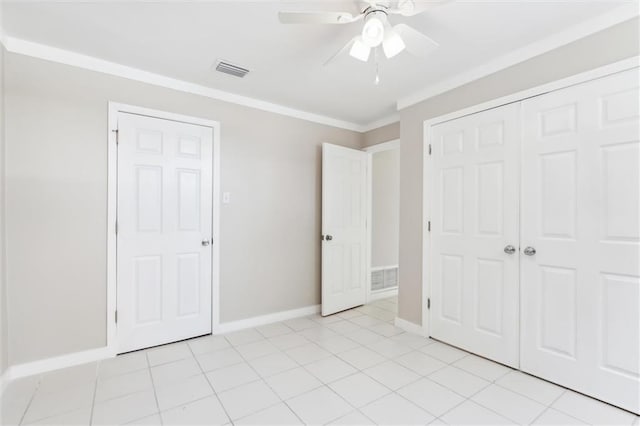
x,y
228,327
56,363
4,382
410,327
383,294
77,358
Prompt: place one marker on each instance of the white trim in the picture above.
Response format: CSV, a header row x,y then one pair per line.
x,y
409,327
384,146
382,268
620,66
427,182
383,294
91,355
369,222
227,327
582,30
42,51
114,109
56,363
393,118
427,190
4,382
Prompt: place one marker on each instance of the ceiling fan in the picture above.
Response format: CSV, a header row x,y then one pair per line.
x,y
376,30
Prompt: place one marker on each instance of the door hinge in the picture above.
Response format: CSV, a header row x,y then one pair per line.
x,y
429,149
116,227
116,316
429,303
117,135
429,226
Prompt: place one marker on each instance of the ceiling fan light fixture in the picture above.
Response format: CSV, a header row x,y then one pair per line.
x,y
360,50
392,44
373,30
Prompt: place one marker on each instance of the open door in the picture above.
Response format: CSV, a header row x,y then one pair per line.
x,y
344,224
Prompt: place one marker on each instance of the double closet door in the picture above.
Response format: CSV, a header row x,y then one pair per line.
x,y
535,238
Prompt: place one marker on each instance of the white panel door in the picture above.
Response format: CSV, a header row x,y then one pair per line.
x,y
164,231
474,276
344,214
580,212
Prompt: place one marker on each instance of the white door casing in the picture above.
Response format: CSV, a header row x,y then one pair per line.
x,y
344,237
581,213
474,282
164,211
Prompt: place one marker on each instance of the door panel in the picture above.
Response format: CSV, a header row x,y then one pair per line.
x,y
581,212
344,214
474,294
164,214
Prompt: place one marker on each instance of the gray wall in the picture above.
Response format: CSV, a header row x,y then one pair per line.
x,y
56,175
382,134
56,203
614,44
3,270
385,211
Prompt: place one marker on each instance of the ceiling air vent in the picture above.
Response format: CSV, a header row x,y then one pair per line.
x,y
231,69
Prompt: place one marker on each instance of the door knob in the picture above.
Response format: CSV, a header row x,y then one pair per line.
x,y
509,249
529,251
205,243
328,237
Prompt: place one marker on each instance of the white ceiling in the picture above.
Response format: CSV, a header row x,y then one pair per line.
x,y
183,39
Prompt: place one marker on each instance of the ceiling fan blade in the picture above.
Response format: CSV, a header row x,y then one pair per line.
x,y
415,7
356,49
317,17
417,43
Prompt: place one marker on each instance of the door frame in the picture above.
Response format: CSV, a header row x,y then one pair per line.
x,y
427,163
112,208
370,150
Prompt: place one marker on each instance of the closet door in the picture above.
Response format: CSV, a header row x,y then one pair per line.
x,y
474,236
580,239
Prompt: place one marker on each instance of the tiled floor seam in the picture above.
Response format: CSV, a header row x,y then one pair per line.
x,y
282,401
357,410
33,395
210,385
153,385
490,383
95,391
391,391
453,364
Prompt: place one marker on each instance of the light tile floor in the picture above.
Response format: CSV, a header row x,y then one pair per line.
x,y
354,367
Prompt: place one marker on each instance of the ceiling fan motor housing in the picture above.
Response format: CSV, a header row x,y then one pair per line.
x,y
374,26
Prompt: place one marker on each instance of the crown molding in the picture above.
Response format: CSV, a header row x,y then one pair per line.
x,y
54,54
42,51
618,15
393,118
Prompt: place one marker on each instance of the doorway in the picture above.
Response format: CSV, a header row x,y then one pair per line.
x,y
384,220
360,226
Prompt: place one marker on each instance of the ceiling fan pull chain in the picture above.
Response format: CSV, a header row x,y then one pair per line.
x,y
375,53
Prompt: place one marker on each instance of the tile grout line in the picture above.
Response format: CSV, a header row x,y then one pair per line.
x,y
209,382
33,395
68,411
490,383
95,391
391,391
262,379
323,384
153,385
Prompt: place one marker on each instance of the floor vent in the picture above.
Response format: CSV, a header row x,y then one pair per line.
x,y
231,69
384,278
